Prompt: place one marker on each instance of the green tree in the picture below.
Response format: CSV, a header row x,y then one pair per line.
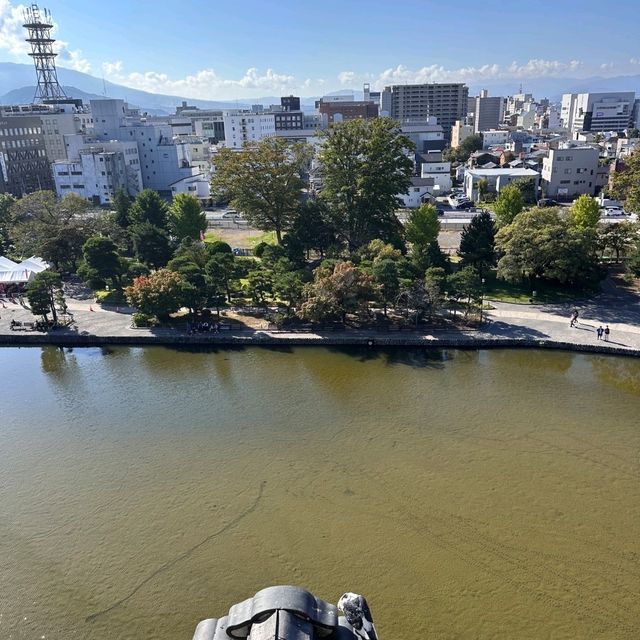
x,y
151,244
585,213
423,227
633,263
541,244
619,237
6,203
527,188
336,292
312,227
264,181
186,217
39,217
483,189
626,183
122,203
149,207
158,294
385,276
220,272
101,260
260,285
43,293
365,167
508,205
466,285
477,243
288,286
64,249
462,153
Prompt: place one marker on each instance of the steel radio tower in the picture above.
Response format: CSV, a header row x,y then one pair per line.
x,y
39,26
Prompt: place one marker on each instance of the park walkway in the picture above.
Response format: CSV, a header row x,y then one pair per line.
x,y
505,325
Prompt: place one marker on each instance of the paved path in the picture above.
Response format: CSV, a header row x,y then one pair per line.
x,y
506,324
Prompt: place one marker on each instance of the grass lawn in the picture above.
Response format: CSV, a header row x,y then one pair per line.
x,y
521,292
212,236
269,237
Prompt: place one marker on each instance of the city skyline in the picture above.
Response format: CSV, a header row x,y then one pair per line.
x,y
231,52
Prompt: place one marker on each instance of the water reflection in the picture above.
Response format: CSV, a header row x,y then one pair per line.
x,y
618,373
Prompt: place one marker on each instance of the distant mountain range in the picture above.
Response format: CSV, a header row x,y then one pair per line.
x,y
17,87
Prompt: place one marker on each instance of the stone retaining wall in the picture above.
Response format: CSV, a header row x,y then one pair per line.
x,y
372,341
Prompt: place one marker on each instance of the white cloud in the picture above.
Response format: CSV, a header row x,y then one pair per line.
x,y
401,74
206,84
112,68
71,58
346,77
12,35
634,61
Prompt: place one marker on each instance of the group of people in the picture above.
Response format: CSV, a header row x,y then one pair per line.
x,y
203,327
601,333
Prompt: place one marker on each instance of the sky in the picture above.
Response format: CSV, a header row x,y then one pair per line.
x,y
227,50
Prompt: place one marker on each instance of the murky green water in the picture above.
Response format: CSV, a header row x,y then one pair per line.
x,y
468,495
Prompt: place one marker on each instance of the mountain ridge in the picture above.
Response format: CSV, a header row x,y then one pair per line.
x,y
17,86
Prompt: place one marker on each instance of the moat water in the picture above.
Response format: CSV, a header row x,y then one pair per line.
x,y
467,494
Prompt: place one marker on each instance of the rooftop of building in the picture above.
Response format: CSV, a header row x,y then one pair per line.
x,y
490,173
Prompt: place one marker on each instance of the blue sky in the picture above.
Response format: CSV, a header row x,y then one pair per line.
x,y
251,48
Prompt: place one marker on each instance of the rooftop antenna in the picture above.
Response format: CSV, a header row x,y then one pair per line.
x,y
39,26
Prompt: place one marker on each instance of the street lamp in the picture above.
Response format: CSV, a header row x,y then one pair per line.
x,y
481,299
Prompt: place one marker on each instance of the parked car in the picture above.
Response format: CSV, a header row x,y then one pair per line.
x,y
231,215
548,202
613,212
465,204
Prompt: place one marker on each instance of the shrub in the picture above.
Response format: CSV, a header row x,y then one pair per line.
x,y
143,320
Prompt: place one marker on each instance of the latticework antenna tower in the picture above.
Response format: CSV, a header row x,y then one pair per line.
x,y
39,26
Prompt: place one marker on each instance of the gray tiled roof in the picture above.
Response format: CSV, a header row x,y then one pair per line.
x,y
288,613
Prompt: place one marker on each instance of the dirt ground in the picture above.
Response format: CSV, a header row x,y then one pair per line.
x,y
247,238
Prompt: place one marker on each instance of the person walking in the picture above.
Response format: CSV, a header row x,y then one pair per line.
x,y
599,332
574,318
606,333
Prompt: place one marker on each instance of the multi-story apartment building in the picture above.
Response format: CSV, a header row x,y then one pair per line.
x,y
460,132
446,102
597,111
488,112
24,166
247,126
99,170
569,172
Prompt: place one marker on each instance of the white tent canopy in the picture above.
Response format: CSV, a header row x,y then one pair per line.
x,y
25,271
6,264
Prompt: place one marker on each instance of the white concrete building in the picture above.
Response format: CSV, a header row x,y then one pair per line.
x,y
98,171
570,171
494,137
496,179
597,111
440,172
241,127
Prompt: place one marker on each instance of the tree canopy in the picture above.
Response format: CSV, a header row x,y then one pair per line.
x,y
585,213
539,243
264,181
508,204
477,243
186,217
626,183
365,166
